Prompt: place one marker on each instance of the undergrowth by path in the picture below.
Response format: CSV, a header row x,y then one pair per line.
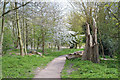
x,y
76,68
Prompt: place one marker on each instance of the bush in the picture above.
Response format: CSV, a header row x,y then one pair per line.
x,y
7,40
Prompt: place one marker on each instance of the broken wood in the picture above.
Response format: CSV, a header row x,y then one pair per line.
x,y
91,48
34,52
74,55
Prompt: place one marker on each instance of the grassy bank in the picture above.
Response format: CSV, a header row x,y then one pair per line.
x,y
16,66
77,68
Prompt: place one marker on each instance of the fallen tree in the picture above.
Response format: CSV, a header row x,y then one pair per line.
x,y
74,55
34,52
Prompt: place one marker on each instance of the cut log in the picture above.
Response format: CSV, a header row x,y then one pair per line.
x,y
35,52
74,55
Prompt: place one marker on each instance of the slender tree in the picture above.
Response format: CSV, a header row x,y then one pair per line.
x,y
2,29
19,32
24,32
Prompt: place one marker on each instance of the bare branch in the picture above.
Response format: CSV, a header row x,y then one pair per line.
x,y
112,13
14,9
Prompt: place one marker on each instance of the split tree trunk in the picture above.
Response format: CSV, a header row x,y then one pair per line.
x,y
87,53
95,55
19,32
91,48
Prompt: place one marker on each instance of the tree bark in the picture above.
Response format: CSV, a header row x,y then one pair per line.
x,y
43,42
75,45
58,47
80,45
19,32
24,32
38,43
49,45
25,45
31,45
95,56
25,49
118,52
2,29
17,43
13,30
91,48
26,36
87,53
34,37
103,55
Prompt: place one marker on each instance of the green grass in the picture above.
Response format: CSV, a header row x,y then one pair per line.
x,y
108,57
61,52
76,68
0,67
16,66
22,67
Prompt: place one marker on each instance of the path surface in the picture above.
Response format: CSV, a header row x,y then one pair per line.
x,y
53,68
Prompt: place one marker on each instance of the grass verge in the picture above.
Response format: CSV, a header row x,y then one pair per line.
x,y
16,66
76,68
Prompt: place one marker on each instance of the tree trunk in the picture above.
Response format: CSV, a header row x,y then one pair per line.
x,y
80,45
75,45
34,37
58,47
31,45
49,45
2,29
55,46
25,41
14,33
118,52
24,32
43,44
19,32
103,55
87,53
38,43
95,57
43,41
26,36
17,43
91,48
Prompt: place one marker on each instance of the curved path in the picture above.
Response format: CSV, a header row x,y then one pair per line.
x,y
53,68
